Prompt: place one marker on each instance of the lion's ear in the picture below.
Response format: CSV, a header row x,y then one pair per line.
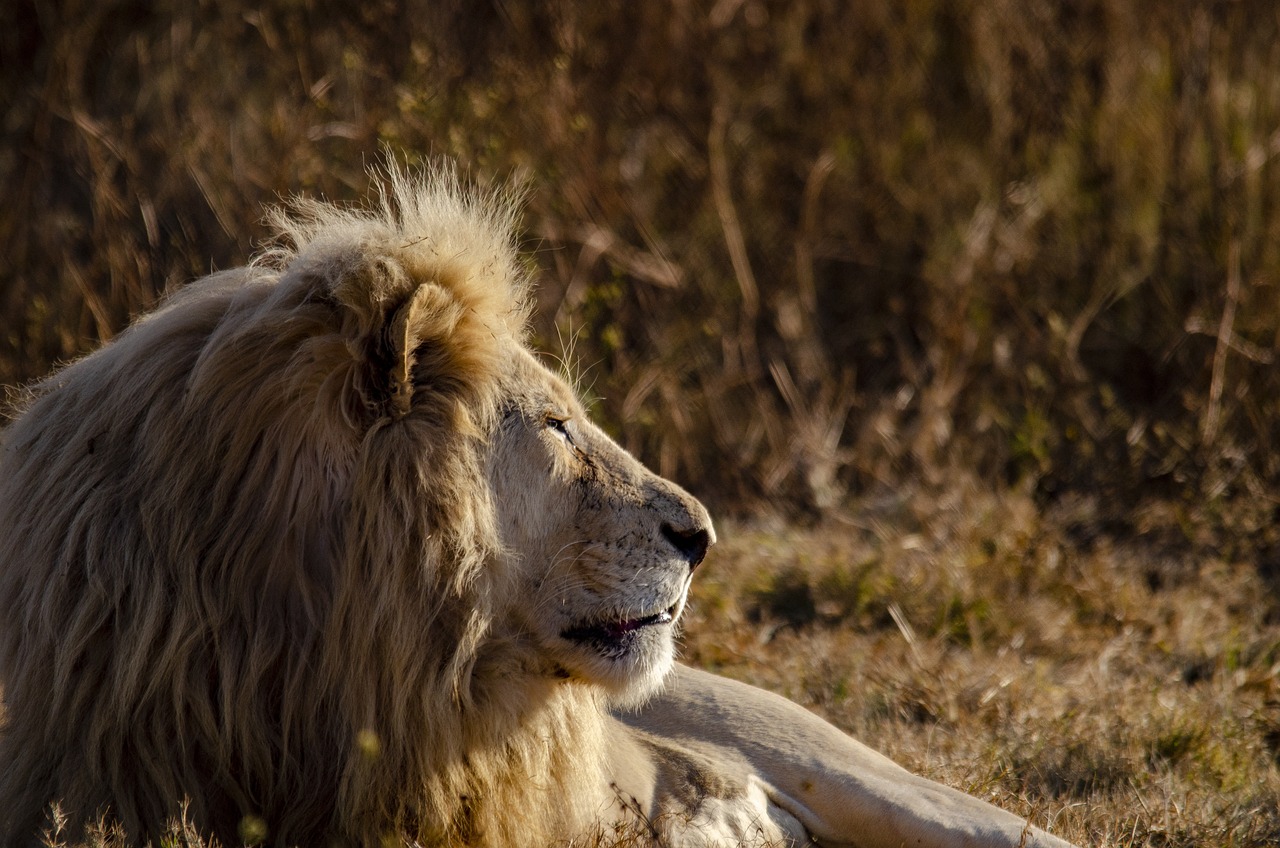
x,y
420,343
404,334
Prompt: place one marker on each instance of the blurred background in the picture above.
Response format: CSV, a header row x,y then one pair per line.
x,y
797,250
964,313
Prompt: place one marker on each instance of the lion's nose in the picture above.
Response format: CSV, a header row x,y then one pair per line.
x,y
692,544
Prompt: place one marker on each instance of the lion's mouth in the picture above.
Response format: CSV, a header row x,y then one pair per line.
x,y
615,631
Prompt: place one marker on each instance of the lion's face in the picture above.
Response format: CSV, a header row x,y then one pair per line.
x,y
604,549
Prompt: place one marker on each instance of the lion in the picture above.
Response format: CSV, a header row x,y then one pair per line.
x,y
319,552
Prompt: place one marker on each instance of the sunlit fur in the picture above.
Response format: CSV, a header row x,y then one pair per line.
x,y
249,557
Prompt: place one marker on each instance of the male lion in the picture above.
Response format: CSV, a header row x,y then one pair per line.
x,y
320,548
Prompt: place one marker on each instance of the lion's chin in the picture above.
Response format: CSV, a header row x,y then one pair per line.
x,y
638,689
628,659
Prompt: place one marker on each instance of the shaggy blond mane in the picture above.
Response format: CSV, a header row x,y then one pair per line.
x,y
248,547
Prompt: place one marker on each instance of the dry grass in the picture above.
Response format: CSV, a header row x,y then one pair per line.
x,y
807,252
1122,692
811,247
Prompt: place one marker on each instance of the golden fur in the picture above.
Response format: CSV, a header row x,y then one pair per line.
x,y
257,552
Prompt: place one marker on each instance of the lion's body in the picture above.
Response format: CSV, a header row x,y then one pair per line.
x,y
319,548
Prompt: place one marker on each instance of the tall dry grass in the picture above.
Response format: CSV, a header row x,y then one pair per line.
x,y
804,250
800,247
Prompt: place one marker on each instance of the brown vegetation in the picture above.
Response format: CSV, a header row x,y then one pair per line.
x,y
800,248
1126,694
826,257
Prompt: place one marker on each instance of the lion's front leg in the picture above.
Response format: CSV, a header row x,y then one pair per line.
x,y
843,793
691,795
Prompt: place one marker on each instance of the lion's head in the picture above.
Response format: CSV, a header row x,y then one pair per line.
x,y
321,547
608,547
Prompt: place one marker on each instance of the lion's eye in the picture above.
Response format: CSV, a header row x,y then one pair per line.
x,y
560,426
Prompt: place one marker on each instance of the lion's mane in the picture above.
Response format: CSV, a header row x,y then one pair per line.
x,y
248,556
